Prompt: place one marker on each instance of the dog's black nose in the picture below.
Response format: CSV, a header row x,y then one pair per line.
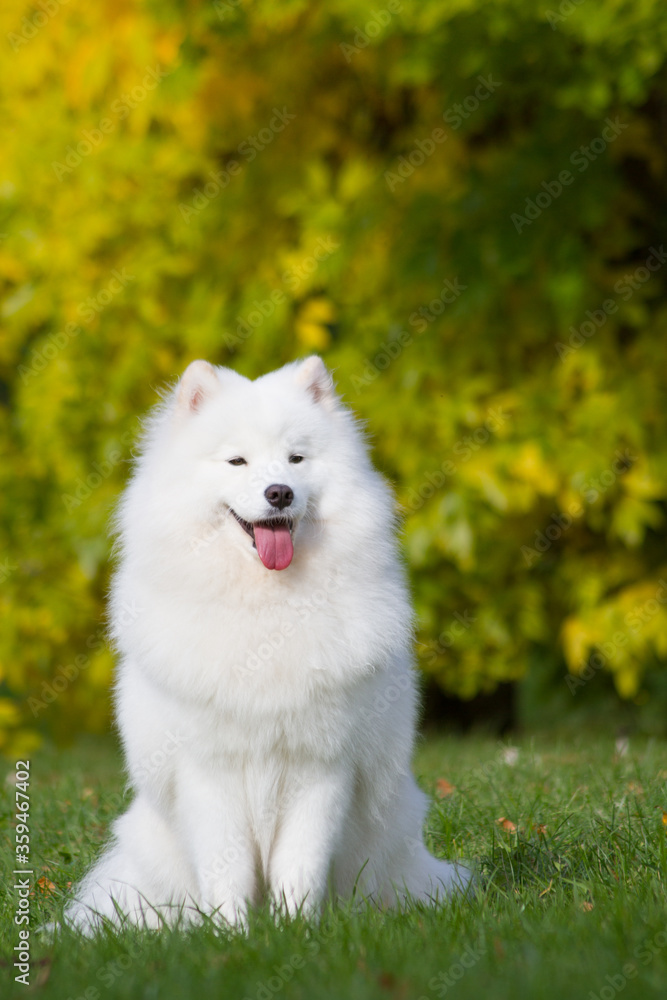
x,y
279,495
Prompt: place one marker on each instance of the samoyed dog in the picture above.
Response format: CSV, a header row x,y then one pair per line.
x,y
265,695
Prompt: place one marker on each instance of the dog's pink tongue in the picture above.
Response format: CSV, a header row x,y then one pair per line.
x,y
274,545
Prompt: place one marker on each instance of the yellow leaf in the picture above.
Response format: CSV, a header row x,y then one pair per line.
x,y
627,682
577,640
9,713
318,311
312,335
531,467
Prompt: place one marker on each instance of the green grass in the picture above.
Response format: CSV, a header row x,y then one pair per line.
x,y
570,902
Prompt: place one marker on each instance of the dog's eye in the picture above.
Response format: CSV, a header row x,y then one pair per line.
x,y
237,461
295,459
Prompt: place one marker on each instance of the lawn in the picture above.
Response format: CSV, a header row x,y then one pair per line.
x,y
568,834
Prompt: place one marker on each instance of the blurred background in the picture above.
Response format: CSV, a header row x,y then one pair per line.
x,y
460,206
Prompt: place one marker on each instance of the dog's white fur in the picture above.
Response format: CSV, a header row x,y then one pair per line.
x,y
267,716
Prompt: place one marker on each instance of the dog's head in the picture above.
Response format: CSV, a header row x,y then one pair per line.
x,y
253,456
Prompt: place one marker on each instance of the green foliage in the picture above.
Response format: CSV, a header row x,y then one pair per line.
x,y
459,205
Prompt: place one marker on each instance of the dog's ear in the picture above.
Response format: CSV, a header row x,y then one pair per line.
x,y
198,383
316,378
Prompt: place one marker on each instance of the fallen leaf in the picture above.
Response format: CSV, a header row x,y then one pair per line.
x,y
444,788
541,830
45,885
506,824
586,906
43,972
387,980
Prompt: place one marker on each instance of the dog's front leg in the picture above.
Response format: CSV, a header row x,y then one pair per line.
x,y
212,815
312,818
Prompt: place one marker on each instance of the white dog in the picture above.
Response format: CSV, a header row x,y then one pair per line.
x,y
265,696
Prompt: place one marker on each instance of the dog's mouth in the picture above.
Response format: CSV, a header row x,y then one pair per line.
x,y
272,539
